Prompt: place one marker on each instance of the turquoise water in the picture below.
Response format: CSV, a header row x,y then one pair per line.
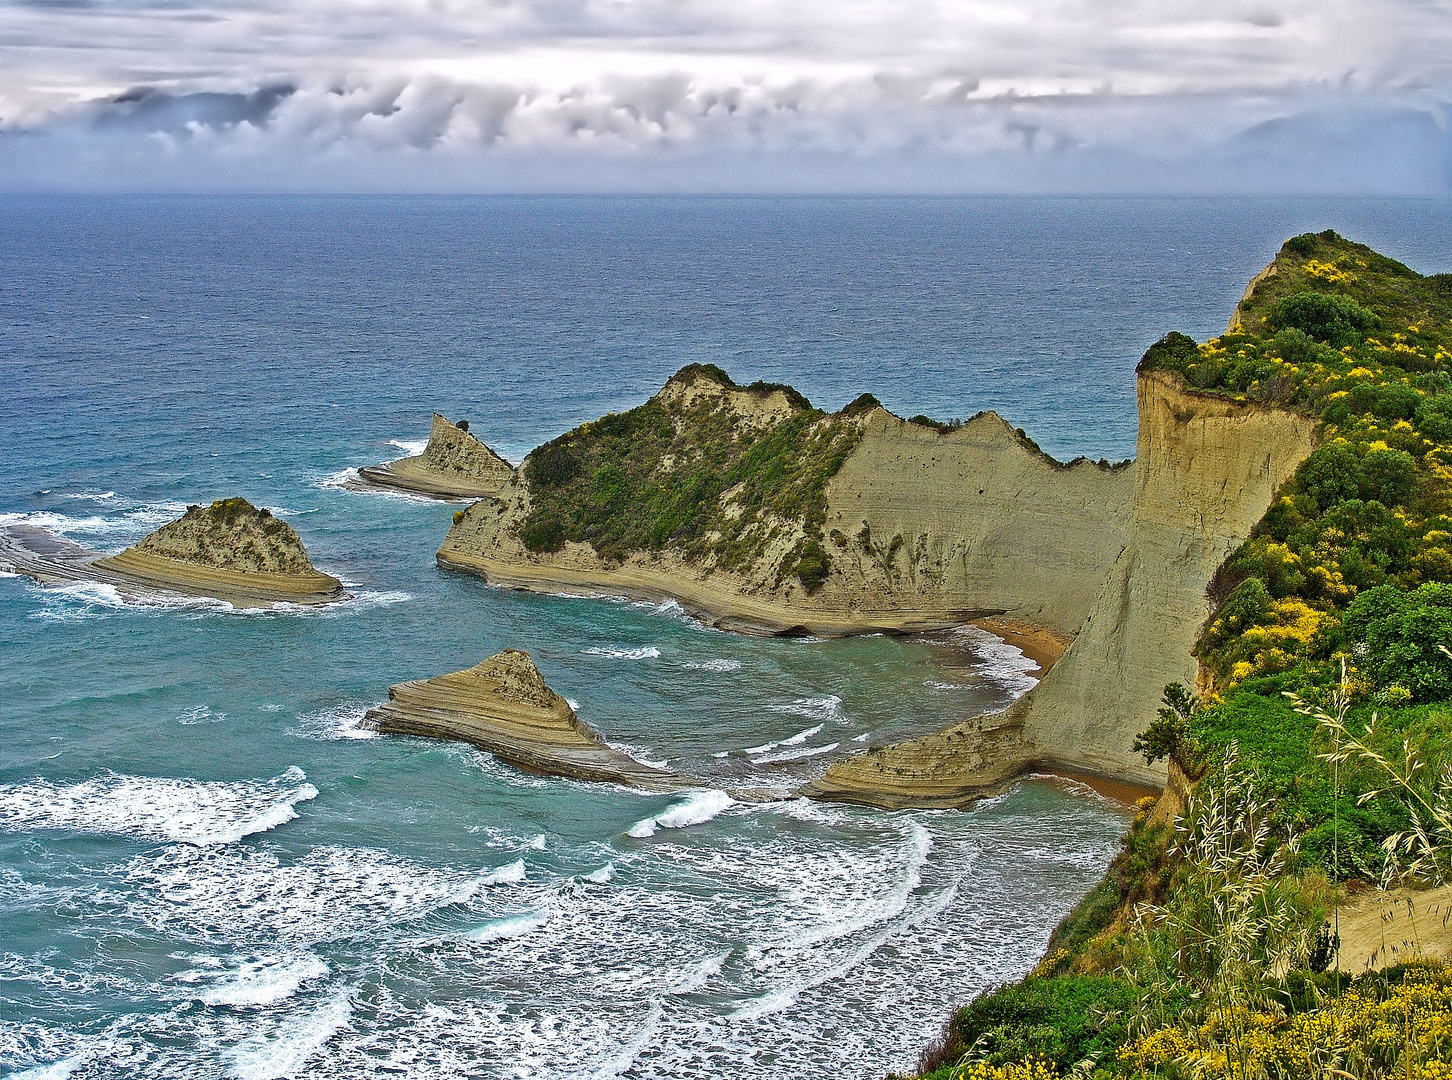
x,y
207,869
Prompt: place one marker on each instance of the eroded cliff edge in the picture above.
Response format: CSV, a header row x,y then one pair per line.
x,y
1206,470
913,525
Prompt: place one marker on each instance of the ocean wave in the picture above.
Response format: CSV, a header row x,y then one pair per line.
x,y
510,926
797,755
623,652
91,496
697,808
119,528
82,600
714,666
997,661
825,709
157,808
411,447
251,980
55,1070
641,754
600,876
202,714
508,874
289,1043
341,721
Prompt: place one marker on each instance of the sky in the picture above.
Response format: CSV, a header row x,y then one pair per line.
x,y
1071,96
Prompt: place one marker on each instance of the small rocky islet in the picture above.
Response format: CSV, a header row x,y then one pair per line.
x,y
503,706
230,551
454,465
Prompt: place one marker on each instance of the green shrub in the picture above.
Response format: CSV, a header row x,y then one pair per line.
x,y
1404,635
1335,320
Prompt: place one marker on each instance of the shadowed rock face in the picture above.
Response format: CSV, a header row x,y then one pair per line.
x,y
454,465
502,705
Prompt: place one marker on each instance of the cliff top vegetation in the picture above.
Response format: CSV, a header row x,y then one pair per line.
x,y
1322,753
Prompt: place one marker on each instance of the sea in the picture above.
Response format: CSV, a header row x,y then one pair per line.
x,y
209,868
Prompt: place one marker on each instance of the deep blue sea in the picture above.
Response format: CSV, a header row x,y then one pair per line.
x,y
208,870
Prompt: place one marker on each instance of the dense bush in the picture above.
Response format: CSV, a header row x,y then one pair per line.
x,y
1336,320
1404,636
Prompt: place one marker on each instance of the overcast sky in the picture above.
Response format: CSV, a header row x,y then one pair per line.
x,y
654,95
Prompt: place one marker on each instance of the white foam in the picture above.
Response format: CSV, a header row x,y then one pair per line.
x,y
345,479
602,875
698,808
119,528
621,652
291,1042
641,754
827,709
158,808
1000,663
802,736
538,843
92,496
341,721
508,874
573,704
251,981
797,755
697,975
719,666
56,1070
510,926
863,737
202,714
411,447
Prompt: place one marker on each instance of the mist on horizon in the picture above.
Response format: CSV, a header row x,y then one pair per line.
x,y
1348,97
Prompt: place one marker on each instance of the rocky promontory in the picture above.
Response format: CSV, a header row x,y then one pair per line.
x,y
230,550
454,465
503,706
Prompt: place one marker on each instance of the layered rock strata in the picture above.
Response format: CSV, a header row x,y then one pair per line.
x,y
503,706
454,465
926,528
1206,470
229,551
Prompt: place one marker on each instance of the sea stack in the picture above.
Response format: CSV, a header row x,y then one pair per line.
x,y
454,465
502,705
231,551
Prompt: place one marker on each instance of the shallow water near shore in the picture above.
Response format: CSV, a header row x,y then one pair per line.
x,y
208,869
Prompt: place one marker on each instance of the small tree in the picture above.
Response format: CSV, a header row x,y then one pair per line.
x,y
1168,734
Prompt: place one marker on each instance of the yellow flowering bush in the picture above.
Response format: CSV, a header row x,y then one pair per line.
x,y
1032,1069
1405,1033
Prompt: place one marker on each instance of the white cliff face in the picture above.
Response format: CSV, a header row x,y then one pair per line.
x,y
1206,470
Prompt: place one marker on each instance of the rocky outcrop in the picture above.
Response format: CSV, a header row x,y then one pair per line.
x,y
925,528
454,465
229,551
502,705
1206,470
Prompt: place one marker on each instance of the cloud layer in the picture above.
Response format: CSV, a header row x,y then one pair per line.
x,y
1053,95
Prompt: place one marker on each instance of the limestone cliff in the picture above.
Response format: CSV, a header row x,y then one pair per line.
x,y
502,705
918,526
1205,471
454,465
230,550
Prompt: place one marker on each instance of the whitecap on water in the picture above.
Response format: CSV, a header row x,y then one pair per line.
x,y
825,709
718,666
509,926
797,755
250,980
288,1044
157,808
622,652
698,808
508,874
341,721
411,447
602,875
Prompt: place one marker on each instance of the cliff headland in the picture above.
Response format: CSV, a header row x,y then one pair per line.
x,y
230,550
454,465
502,705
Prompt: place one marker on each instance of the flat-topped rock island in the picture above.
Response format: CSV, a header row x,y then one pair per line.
x,y
230,551
503,706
